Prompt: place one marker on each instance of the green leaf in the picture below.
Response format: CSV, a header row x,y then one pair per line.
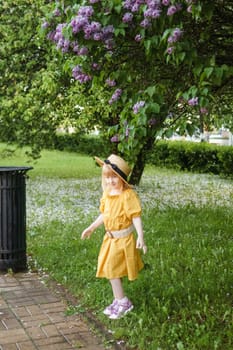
x,y
153,108
208,71
119,31
147,44
150,90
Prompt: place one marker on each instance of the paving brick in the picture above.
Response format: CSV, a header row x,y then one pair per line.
x,y
50,341
33,309
35,321
2,327
50,330
17,302
12,336
3,304
6,313
21,311
60,346
53,307
35,333
27,345
74,339
56,317
33,317
11,323
9,347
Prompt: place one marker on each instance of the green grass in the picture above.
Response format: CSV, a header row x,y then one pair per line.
x,y
183,297
51,164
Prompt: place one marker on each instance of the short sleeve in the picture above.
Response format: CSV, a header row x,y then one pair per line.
x,y
132,204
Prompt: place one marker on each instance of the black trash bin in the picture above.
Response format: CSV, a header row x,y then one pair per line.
x,y
13,218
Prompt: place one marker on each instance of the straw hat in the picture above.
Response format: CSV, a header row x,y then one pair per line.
x,y
118,166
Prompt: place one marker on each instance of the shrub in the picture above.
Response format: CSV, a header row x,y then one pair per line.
x,y
191,156
86,144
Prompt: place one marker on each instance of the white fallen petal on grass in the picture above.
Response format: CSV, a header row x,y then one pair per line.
x,y
71,200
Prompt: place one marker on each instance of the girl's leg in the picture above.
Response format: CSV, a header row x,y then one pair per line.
x,y
121,305
117,288
118,294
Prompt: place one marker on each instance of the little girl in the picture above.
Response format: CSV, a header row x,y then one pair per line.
x,y
121,215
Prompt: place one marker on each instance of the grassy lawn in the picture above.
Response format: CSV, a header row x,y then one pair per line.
x,y
183,297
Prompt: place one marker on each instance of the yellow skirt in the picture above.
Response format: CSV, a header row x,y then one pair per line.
x,y
119,257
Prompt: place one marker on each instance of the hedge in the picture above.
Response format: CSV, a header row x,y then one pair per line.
x,y
182,155
191,156
87,144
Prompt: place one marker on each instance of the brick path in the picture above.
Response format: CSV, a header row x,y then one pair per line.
x,y
32,316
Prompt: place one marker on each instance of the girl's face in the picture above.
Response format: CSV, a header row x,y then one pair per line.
x,y
111,180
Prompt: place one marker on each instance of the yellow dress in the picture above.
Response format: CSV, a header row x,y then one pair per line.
x,y
119,257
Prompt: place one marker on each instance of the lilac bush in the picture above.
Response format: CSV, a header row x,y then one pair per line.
x,y
126,46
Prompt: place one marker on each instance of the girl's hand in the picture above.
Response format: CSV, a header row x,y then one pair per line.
x,y
86,233
141,245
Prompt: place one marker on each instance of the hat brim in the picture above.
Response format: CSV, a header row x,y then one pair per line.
x,y
100,162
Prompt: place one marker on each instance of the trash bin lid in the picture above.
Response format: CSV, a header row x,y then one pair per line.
x,y
15,168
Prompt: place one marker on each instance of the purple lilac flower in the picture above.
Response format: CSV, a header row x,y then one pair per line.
x,y
107,36
145,23
95,26
166,2
135,7
171,10
170,50
51,35
138,38
87,32
189,8
57,13
66,45
109,43
95,66
76,70
193,101
76,48
45,25
115,138
137,106
153,3
127,130
204,110
58,35
127,18
86,11
110,82
175,36
152,122
115,96
78,74
93,1
83,51
78,23
152,13
98,36
108,32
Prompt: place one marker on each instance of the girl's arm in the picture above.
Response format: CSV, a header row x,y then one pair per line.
x,y
89,230
140,240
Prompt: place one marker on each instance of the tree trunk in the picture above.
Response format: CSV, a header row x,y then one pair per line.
x,y
138,169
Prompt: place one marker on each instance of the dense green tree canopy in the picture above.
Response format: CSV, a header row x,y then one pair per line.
x,y
34,92
162,62
139,68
